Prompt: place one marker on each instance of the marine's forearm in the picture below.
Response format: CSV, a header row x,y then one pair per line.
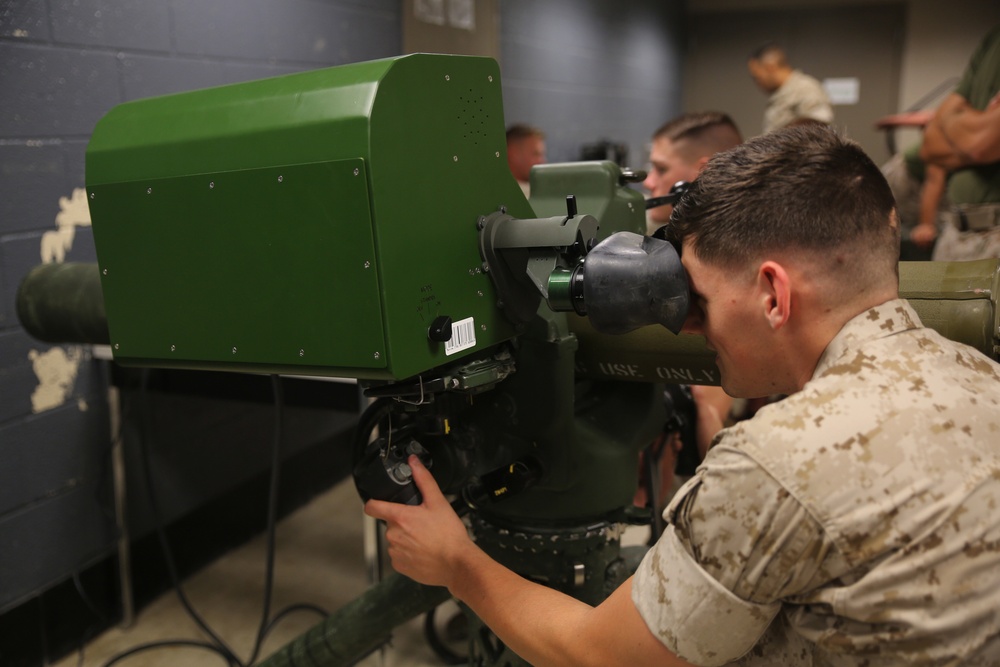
x,y
970,136
550,629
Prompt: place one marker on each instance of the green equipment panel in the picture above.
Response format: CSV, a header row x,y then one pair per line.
x,y
277,267
315,223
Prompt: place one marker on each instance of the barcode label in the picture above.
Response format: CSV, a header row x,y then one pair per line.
x,y
463,336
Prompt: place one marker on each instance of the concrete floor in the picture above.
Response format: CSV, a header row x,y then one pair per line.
x,y
319,560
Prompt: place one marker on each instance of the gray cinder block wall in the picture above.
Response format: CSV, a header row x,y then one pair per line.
x,y
63,64
589,70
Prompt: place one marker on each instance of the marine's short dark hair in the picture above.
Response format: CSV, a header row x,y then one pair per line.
x,y
803,188
696,124
700,133
769,49
520,131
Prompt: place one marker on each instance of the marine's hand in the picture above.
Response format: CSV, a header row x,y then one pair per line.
x,y
426,541
923,236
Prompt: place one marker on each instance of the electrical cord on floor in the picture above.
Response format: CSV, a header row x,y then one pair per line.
x,y
167,643
272,514
93,608
217,645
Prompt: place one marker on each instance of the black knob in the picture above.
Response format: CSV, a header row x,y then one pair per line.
x,y
570,206
631,176
440,329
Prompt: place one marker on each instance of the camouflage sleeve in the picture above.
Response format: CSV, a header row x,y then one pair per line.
x,y
750,534
694,616
736,545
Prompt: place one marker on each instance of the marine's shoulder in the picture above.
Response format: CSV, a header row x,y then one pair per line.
x,y
890,339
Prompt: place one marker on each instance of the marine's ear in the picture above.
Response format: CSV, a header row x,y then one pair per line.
x,y
775,293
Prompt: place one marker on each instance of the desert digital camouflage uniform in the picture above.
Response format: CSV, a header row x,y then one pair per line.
x,y
856,522
800,97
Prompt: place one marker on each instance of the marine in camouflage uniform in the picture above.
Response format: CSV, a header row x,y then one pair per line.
x,y
799,97
855,522
793,96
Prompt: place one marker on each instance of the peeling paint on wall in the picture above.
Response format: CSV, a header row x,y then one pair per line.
x,y
73,213
56,368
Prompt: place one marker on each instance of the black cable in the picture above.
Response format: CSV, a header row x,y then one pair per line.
x,y
85,637
272,515
87,601
164,644
217,644
266,624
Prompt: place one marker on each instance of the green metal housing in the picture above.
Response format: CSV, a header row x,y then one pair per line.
x,y
958,299
599,191
315,223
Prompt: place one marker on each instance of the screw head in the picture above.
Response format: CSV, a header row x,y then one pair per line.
x,y
368,264
356,171
454,158
281,178
377,355
116,346
302,353
497,153
211,185
173,348
105,272
234,350
490,77
149,191
447,77
91,195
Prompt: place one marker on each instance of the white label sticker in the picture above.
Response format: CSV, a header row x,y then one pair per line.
x,y
463,336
